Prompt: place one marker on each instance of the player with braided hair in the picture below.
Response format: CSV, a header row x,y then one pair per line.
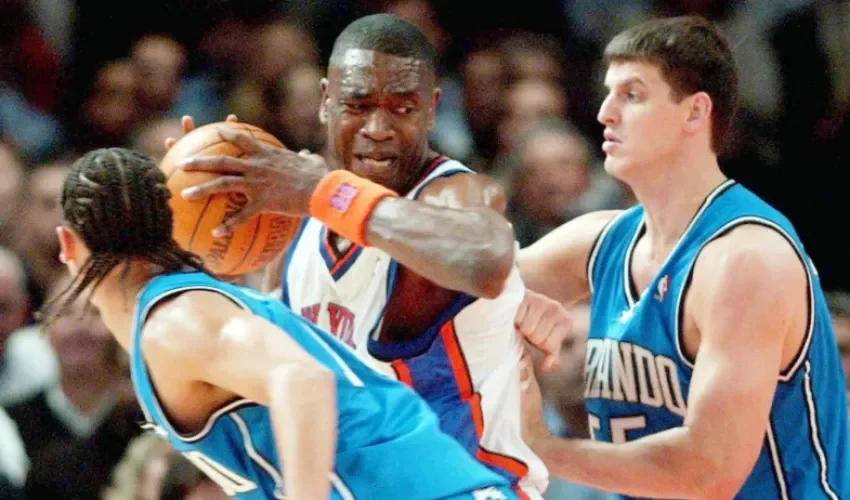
x,y
143,192
261,400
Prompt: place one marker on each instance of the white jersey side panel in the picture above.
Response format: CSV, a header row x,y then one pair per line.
x,y
346,295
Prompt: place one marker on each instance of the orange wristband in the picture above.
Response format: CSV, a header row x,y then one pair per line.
x,y
344,201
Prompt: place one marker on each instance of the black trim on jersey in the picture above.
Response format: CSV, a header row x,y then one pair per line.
x,y
776,460
594,249
810,312
222,410
680,318
630,288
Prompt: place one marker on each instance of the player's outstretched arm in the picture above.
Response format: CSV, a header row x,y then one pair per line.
x,y
454,234
205,336
556,264
466,244
748,300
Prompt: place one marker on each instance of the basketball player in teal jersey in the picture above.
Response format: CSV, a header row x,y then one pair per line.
x,y
267,404
712,370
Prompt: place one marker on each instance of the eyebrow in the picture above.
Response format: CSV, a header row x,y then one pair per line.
x,y
626,82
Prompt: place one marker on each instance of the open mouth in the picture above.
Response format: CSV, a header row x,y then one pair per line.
x,y
376,162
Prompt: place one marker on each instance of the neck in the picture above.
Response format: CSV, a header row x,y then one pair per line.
x,y
671,196
115,298
86,394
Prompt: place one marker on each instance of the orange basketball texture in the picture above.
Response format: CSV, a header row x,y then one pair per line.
x,y
250,245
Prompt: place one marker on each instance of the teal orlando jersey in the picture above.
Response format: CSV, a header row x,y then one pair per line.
x,y
389,443
637,375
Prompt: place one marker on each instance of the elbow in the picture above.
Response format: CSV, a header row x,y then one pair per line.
x,y
495,264
293,383
716,479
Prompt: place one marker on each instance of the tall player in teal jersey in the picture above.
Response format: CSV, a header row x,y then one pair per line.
x,y
712,368
266,404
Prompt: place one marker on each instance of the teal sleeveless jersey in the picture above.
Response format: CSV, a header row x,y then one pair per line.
x,y
637,376
389,445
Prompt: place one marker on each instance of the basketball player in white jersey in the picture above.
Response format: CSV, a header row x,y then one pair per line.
x,y
403,253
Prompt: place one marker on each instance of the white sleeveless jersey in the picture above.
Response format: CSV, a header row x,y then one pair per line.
x,y
465,365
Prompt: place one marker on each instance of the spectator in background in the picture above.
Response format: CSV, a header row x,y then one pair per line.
x,y
140,473
27,364
11,187
292,103
41,213
161,63
184,481
76,429
555,179
13,459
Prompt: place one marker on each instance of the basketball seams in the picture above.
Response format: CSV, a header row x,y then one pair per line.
x,y
254,233
242,251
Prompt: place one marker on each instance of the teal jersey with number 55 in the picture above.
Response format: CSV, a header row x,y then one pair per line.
x,y
638,376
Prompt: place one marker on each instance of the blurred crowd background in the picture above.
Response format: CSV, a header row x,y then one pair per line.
x,y
521,87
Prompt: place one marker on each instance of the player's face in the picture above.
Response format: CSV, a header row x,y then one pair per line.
x,y
379,110
643,124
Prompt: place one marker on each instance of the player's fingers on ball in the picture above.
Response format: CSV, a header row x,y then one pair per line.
x,y
169,142
222,184
231,118
242,140
214,164
237,218
188,123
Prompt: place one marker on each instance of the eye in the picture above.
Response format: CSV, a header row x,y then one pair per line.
x,y
352,106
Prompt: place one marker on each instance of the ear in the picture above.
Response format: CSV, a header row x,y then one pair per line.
x,y
66,244
72,250
432,109
323,108
699,112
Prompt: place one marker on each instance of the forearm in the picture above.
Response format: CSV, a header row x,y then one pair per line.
x,y
470,250
304,416
663,465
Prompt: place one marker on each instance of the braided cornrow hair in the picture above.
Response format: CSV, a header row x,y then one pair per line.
x,y
117,201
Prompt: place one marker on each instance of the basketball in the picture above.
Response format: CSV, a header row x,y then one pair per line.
x,y
250,245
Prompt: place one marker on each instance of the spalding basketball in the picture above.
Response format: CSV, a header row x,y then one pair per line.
x,y
250,245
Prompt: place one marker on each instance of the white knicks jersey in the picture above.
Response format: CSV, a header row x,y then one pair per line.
x,y
465,365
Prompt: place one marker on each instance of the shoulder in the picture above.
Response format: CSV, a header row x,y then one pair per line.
x,y
751,266
185,328
464,189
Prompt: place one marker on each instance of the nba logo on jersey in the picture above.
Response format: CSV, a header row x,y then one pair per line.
x,y
488,494
663,285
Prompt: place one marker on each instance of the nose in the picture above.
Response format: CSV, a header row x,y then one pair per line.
x,y
378,126
608,114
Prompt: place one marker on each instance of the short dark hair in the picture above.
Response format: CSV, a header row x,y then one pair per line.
x,y
388,34
116,200
693,56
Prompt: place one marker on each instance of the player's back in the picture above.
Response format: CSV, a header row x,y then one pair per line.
x,y
389,444
637,376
